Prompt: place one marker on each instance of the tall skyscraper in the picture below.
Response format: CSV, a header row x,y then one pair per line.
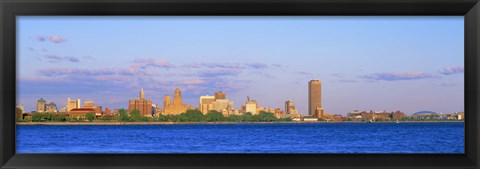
x,y
73,104
175,108
206,103
220,95
289,106
141,104
314,96
41,105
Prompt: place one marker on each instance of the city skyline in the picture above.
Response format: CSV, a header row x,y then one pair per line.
x,y
381,63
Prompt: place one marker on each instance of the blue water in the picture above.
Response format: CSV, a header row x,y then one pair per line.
x,y
244,138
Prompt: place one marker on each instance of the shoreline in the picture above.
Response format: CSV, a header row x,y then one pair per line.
x,y
173,123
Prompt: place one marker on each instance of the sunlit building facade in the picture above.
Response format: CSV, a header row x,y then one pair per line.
x,y
141,104
314,96
41,105
176,107
206,103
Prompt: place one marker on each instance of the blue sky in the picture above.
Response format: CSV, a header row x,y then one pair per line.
x,y
367,63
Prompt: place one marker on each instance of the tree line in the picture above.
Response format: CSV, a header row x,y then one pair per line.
x,y
135,116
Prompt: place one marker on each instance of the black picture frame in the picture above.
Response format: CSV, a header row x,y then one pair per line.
x,y
9,9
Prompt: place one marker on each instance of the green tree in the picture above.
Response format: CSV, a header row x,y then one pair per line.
x,y
135,115
214,115
265,116
36,117
247,117
89,117
192,116
122,113
162,118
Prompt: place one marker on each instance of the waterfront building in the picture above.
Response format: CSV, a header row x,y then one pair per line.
x,y
319,113
314,96
72,104
176,107
98,110
310,119
251,106
88,104
460,115
141,104
81,112
398,115
51,108
206,104
425,115
222,105
220,95
382,116
41,105
289,106
107,111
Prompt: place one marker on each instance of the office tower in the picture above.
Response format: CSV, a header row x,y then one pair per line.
x,y
72,104
166,101
88,104
314,96
222,104
220,95
251,106
289,106
51,107
41,105
175,108
141,104
205,103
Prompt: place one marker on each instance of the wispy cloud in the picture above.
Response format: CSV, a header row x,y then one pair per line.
x,y
227,65
219,72
304,73
56,58
398,76
144,63
51,38
452,70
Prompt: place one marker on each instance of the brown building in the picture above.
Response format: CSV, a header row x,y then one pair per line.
x,y
220,95
398,115
176,107
289,106
314,96
141,104
107,111
98,110
319,113
382,116
81,112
